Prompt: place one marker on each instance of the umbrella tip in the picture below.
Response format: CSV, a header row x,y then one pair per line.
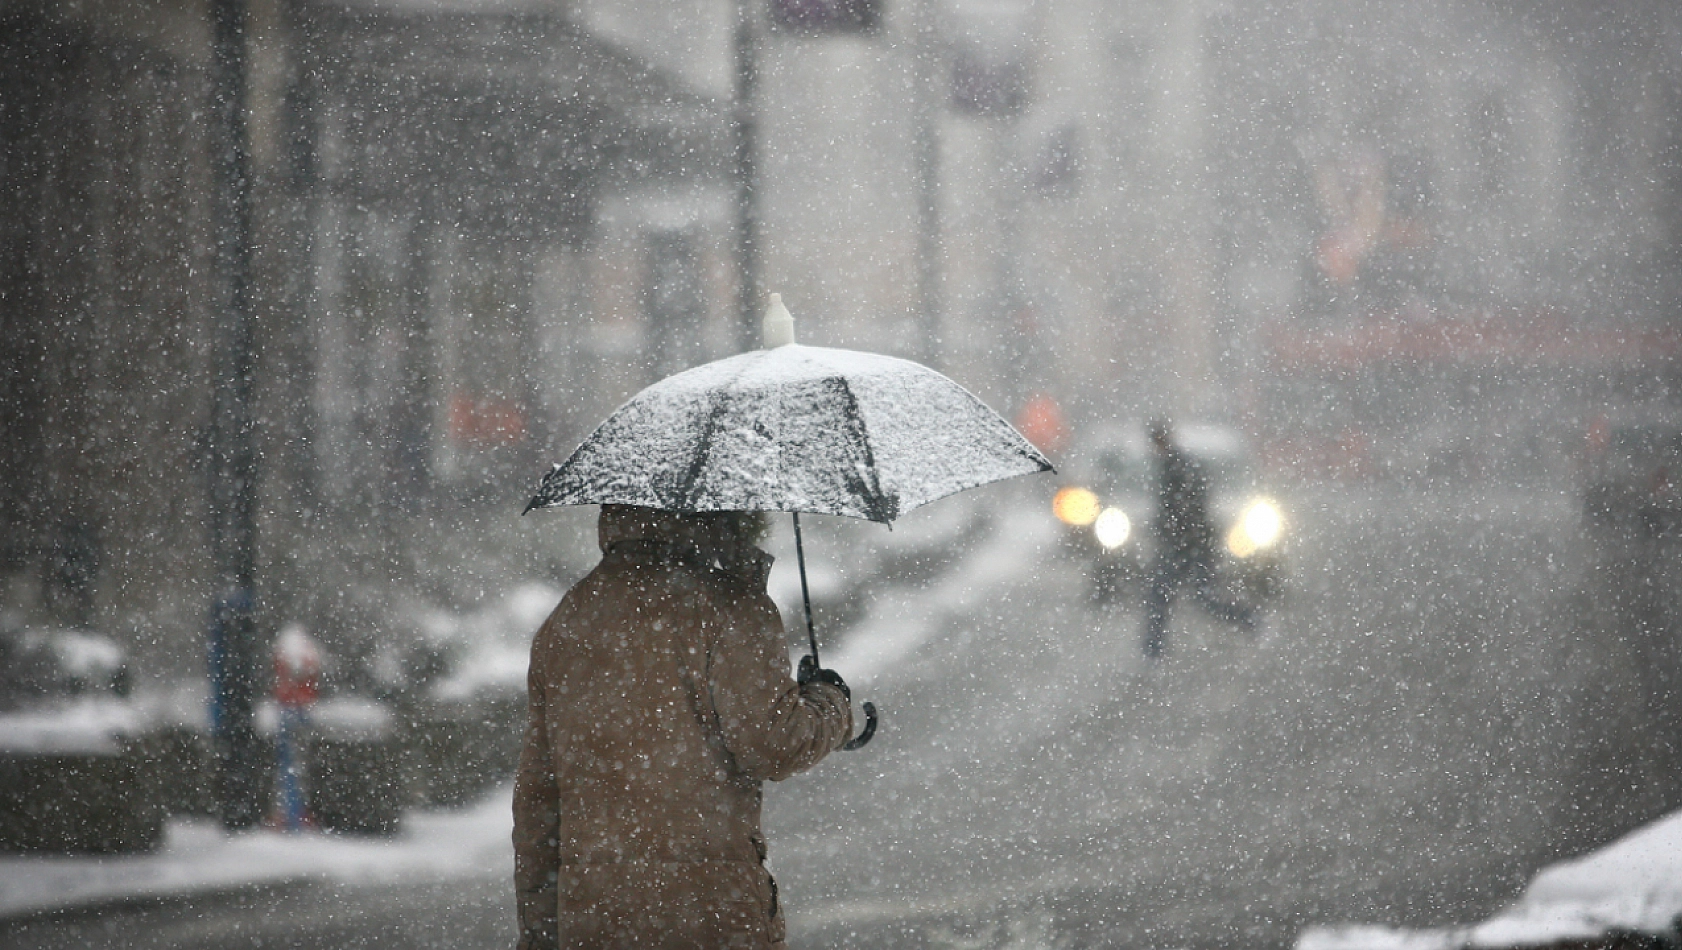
x,y
778,325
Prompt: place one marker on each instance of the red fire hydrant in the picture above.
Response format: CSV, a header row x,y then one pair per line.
x,y
297,685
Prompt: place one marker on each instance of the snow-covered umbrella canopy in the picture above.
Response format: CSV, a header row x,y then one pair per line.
x,y
794,428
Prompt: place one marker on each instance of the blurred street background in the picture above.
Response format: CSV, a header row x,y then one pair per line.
x,y
300,299
1439,713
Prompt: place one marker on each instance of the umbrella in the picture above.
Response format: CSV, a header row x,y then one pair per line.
x,y
798,429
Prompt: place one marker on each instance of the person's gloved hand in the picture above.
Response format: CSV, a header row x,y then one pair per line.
x,y
811,672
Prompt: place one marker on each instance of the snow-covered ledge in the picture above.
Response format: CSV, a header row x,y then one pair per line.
x,y
1633,885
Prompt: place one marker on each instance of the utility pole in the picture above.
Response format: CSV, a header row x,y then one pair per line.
x,y
1019,351
1181,149
926,148
746,178
236,653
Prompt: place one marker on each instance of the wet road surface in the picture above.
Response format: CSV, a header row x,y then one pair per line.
x,y
1438,709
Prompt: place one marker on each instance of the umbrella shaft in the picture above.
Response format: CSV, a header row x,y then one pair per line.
x,y
805,593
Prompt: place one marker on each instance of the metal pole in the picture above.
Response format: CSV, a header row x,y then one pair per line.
x,y
1182,151
746,175
805,594
236,652
926,146
1016,350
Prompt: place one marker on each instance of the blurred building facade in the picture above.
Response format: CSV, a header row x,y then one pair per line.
x,y
481,223
434,198
1141,200
104,293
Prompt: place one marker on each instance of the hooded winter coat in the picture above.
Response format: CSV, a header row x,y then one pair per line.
x,y
659,702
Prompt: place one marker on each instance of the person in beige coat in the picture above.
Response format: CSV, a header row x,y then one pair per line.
x,y
660,701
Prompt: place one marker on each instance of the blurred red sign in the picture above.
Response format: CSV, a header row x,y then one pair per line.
x,y
1485,338
1041,422
485,421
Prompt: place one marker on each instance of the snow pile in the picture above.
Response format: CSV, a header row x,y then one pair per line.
x,y
491,668
198,857
340,718
486,651
1633,884
901,621
89,657
94,725
823,578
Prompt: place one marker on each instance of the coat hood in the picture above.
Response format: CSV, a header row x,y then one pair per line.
x,y
620,523
703,533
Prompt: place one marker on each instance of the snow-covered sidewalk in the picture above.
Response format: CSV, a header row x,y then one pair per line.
x,y
198,857
1631,885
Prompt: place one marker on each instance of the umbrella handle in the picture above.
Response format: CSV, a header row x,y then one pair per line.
x,y
858,741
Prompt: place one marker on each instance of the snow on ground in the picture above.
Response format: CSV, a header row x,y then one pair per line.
x,y
489,648
1633,884
901,620
198,857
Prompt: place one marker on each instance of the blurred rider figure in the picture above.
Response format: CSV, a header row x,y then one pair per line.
x,y
1185,542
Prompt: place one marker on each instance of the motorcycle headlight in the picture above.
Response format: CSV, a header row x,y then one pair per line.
x,y
1076,507
1259,527
1111,527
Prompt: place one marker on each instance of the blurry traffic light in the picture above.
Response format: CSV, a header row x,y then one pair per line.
x,y
825,17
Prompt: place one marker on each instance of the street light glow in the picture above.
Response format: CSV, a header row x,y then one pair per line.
x,y
1257,529
1076,507
1112,528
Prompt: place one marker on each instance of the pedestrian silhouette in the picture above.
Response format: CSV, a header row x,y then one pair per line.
x,y
1185,543
660,702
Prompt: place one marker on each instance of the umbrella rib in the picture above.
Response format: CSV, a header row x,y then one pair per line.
x,y
862,435
715,410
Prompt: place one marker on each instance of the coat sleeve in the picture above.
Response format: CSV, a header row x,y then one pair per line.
x,y
536,822
771,726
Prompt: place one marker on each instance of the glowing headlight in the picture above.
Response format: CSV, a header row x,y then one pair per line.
x,y
1258,529
1075,507
1112,526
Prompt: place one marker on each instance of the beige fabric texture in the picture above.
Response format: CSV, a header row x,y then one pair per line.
x,y
660,701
